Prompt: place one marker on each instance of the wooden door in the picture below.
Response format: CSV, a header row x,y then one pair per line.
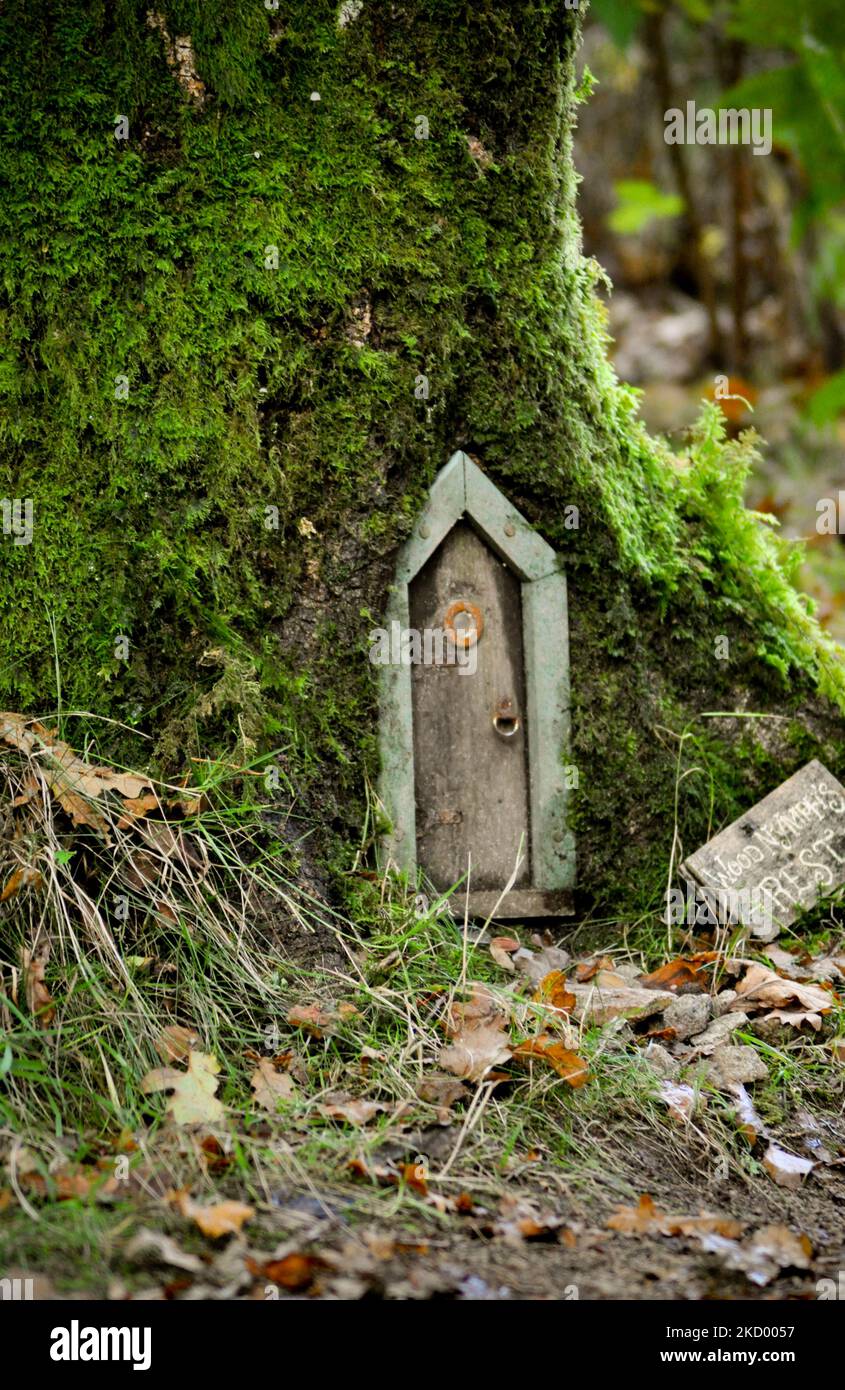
x,y
470,737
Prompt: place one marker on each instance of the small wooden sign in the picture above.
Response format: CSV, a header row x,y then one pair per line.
x,y
777,859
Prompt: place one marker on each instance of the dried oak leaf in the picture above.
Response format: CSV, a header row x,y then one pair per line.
x,y
314,1019
175,1042
800,965
135,807
193,1100
586,970
294,1272
381,1173
520,1220
39,1000
536,964
645,1220
351,1110
764,1255
75,784
793,1018
441,1090
554,991
761,988
478,1028
674,975
217,1218
171,844
270,1086
506,943
502,948
472,1055
545,1048
214,1157
24,877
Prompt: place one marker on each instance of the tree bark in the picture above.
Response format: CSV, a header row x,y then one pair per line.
x,y
337,244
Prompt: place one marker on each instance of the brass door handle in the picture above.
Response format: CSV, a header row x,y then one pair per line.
x,y
506,721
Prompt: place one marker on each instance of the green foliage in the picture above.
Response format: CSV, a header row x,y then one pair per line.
x,y
828,401
806,93
620,18
639,203
739,550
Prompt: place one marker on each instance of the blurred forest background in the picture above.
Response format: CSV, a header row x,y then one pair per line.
x,y
725,262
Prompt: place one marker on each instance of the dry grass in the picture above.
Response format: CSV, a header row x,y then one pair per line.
x,y
202,874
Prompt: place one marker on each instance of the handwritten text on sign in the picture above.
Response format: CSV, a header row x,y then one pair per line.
x,y
790,846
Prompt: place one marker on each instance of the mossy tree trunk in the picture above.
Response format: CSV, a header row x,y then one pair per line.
x,y
338,243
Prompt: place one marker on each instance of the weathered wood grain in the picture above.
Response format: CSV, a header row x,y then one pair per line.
x,y
790,847
527,567
471,784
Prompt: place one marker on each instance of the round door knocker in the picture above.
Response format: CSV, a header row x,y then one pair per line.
x,y
505,719
463,634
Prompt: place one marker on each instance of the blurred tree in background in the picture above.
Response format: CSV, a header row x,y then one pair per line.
x,y
726,263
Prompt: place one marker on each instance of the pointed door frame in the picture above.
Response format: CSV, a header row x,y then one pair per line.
x,y
461,491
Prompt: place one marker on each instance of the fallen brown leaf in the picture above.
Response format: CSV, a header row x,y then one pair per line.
x,y
793,1018
545,1048
294,1272
270,1086
502,948
193,1100
480,1041
155,1247
137,806
800,965
674,975
216,1219
75,784
536,964
764,1255
351,1110
441,1090
314,1019
80,1182
380,1173
39,1000
586,970
24,877
472,1055
554,992
175,1042
520,1220
645,1219
786,1169
761,988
